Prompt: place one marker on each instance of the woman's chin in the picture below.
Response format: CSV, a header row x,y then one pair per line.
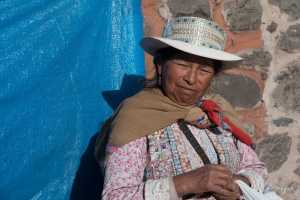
x,y
187,101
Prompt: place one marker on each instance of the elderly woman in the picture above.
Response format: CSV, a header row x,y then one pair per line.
x,y
169,141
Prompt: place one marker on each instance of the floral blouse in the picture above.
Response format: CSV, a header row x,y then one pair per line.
x,y
143,168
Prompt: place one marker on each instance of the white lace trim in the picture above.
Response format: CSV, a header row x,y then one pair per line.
x,y
162,189
257,182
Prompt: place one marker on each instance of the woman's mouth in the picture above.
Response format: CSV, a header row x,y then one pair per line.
x,y
187,88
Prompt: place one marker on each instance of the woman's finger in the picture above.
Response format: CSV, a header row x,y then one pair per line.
x,y
226,183
222,193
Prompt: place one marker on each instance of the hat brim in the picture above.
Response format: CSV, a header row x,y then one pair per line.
x,y
153,44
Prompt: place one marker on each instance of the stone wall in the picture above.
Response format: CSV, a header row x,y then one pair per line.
x,y
265,88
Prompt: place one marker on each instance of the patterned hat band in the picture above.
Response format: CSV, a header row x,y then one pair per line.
x,y
193,35
196,31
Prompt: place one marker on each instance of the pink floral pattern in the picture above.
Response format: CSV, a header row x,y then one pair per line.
x,y
143,169
252,168
124,171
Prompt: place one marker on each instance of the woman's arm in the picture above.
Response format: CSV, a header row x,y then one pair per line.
x,y
251,167
124,175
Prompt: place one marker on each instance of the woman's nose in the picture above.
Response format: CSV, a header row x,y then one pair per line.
x,y
190,76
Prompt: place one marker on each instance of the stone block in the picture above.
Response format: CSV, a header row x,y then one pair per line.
x,y
240,91
243,15
282,121
274,150
272,27
290,7
199,8
259,58
297,171
147,30
290,40
287,92
294,188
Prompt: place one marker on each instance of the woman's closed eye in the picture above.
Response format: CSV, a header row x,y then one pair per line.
x,y
181,63
202,69
206,70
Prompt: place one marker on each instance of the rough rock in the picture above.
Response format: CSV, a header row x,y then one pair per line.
x,y
287,190
287,92
274,150
147,30
290,7
198,8
240,91
264,76
294,188
163,9
282,121
297,171
243,15
290,40
272,27
258,57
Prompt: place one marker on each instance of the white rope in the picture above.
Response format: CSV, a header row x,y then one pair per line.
x,y
251,194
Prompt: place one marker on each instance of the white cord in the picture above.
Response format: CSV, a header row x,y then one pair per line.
x,y
251,194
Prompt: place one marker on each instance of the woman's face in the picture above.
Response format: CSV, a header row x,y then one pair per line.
x,y
186,77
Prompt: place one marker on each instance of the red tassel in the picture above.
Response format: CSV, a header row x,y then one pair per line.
x,y
213,111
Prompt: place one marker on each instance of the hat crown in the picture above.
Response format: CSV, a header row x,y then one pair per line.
x,y
195,31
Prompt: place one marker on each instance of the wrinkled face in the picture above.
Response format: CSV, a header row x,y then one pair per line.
x,y
186,77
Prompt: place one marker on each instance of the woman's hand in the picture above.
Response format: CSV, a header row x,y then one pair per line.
x,y
197,117
235,194
215,179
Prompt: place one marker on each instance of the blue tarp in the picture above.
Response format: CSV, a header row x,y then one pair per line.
x,y
64,66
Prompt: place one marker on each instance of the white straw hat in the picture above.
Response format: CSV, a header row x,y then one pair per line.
x,y
192,35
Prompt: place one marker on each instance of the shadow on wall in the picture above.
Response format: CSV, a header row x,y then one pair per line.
x,y
88,182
